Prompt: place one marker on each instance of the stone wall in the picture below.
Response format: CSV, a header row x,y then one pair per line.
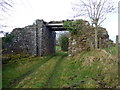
x,y
103,38
24,40
83,42
46,38
36,39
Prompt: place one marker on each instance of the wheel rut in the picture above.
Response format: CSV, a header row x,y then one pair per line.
x,y
17,80
52,77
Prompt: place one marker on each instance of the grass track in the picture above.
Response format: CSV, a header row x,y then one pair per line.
x,y
43,75
14,72
55,71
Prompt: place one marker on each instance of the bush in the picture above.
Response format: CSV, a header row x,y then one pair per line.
x,y
13,57
8,38
63,41
77,27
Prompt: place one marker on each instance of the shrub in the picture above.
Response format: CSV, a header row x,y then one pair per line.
x,y
13,57
8,38
76,27
63,41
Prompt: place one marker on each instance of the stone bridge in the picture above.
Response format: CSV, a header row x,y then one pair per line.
x,y
38,39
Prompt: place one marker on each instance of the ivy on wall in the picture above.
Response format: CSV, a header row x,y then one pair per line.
x,y
76,27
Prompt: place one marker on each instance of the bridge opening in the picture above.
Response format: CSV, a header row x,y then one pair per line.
x,y
61,32
62,40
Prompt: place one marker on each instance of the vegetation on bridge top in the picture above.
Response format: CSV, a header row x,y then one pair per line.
x,y
77,27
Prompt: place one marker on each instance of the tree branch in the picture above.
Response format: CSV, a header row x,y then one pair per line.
x,y
87,9
102,6
102,21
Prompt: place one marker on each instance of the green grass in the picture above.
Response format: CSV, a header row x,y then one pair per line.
x,y
111,50
58,48
41,77
89,69
96,68
16,69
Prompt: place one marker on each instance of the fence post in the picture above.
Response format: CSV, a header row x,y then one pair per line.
x,y
117,40
91,45
100,46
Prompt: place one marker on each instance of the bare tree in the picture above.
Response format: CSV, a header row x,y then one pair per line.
x,y
96,10
5,6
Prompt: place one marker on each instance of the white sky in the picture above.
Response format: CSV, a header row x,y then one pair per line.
x,y
25,12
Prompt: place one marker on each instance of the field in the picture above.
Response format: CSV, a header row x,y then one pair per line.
x,y
89,69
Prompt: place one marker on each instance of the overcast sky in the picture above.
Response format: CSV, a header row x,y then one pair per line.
x,y
25,12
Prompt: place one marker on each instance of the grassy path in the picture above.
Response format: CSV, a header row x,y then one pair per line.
x,y
14,72
17,80
42,77
55,72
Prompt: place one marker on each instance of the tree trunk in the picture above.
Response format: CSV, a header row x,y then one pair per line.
x,y
96,36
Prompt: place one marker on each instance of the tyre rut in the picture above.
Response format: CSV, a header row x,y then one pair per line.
x,y
51,78
17,80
